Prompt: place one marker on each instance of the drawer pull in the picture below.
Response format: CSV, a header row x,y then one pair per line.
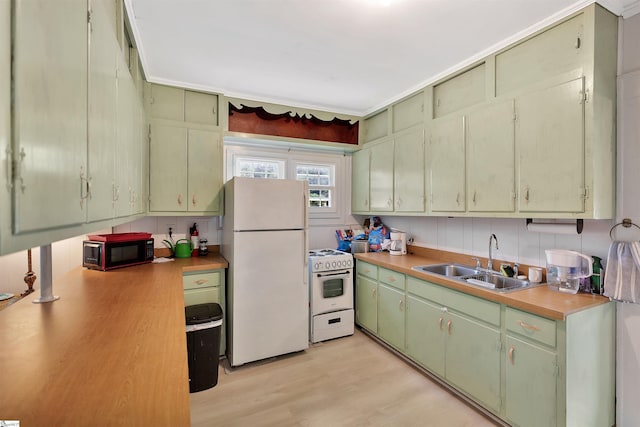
x,y
512,349
201,281
528,326
391,279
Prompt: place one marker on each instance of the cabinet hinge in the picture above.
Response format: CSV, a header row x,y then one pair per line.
x,y
584,193
515,117
584,96
149,132
10,167
89,21
556,371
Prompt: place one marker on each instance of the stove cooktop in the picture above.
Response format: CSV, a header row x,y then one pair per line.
x,y
329,259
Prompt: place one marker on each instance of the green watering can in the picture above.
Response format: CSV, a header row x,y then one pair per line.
x,y
180,250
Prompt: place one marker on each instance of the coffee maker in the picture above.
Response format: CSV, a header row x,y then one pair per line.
x,y
398,243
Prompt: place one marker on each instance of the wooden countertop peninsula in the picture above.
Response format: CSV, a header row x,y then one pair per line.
x,y
110,351
538,300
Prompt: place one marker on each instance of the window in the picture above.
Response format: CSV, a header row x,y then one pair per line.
x,y
259,168
324,171
320,178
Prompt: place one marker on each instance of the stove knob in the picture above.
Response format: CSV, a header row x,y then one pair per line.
x,y
349,263
344,263
328,265
317,265
334,264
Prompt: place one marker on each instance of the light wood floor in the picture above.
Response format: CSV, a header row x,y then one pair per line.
x,y
350,381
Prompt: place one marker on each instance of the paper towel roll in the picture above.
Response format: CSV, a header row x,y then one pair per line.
x,y
553,228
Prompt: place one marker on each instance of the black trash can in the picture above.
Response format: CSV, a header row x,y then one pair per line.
x,y
204,323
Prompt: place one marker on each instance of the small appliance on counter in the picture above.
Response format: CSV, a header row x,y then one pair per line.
x,y
109,251
398,242
566,268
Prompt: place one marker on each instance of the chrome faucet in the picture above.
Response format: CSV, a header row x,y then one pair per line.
x,y
490,262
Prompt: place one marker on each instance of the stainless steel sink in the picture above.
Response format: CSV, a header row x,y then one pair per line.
x,y
496,281
449,270
476,277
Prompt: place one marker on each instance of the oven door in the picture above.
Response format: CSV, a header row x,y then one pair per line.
x,y
331,291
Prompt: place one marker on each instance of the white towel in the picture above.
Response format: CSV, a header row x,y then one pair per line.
x,y
622,280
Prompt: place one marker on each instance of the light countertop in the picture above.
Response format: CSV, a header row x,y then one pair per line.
x,y
110,351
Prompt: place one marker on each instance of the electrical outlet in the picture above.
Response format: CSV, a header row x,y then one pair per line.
x,y
169,228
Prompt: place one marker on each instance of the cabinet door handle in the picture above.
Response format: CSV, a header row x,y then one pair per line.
x,y
440,322
179,199
201,281
366,202
528,326
449,327
194,200
474,198
8,167
373,293
512,349
458,199
401,305
526,195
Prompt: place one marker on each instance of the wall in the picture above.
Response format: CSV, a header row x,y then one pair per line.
x,y
66,254
628,319
516,244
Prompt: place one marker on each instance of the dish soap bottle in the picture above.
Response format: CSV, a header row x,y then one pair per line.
x,y
596,278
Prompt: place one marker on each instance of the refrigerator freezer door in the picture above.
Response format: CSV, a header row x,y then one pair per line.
x,y
269,204
269,295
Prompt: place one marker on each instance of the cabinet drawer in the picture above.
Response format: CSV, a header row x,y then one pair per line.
x,y
531,326
202,296
425,290
481,309
201,280
366,269
391,278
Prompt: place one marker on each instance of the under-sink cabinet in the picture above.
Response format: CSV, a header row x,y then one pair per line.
x,y
526,369
207,287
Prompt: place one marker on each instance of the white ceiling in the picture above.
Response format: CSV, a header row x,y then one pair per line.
x,y
344,56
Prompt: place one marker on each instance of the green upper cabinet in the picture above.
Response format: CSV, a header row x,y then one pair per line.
x,y
528,131
360,181
447,168
408,113
376,126
183,173
461,91
201,108
555,51
551,152
381,177
408,173
103,110
491,158
50,60
185,152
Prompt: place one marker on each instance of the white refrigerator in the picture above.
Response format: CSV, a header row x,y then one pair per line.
x,y
264,239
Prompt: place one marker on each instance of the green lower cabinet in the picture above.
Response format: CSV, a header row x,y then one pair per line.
x,y
425,340
367,303
473,359
528,370
391,309
531,377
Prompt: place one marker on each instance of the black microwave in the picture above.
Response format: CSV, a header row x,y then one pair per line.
x,y
108,251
